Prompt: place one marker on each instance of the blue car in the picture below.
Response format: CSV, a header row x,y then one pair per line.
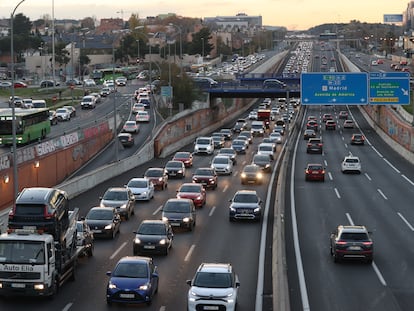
x,y
134,280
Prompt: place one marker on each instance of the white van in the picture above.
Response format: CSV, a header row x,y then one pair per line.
x,y
39,103
204,145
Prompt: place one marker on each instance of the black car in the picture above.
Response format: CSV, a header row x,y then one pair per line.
x,y
206,176
103,221
264,161
314,145
227,133
48,83
175,169
85,237
239,146
251,173
218,141
308,133
230,152
180,213
351,242
245,204
154,237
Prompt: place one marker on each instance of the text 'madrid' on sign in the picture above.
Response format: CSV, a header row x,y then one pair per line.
x,y
389,88
334,88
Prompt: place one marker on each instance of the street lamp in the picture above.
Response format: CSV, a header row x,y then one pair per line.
x,y
14,148
181,48
202,45
137,50
114,102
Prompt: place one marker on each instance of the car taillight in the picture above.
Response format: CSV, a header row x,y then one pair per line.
x,y
309,145
367,243
320,145
46,213
307,171
341,242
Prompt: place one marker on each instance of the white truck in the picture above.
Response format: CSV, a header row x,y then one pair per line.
x,y
33,263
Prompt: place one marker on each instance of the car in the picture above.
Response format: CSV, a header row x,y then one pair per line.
x,y
48,83
357,139
126,139
258,128
142,188
63,114
88,102
312,125
53,117
89,82
273,83
194,192
239,145
308,133
72,110
279,129
130,126
247,134
351,164
227,133
253,115
218,141
185,157
351,242
18,101
268,140
204,145
266,148
137,107
27,103
380,61
213,287
175,169
326,117
276,137
84,237
230,152
312,118
245,204
5,84
158,177
103,221
152,237
222,164
121,198
264,161
251,174
142,116
240,125
105,91
121,81
343,114
133,280
314,145
206,176
97,96
330,125
179,213
73,82
314,171
349,124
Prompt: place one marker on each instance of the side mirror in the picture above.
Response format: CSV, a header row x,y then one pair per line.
x,y
188,282
108,273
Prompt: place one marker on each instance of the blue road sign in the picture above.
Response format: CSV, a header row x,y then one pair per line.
x,y
392,88
334,88
166,91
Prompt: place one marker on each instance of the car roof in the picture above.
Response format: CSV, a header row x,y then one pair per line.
x,y
349,228
244,191
215,267
135,259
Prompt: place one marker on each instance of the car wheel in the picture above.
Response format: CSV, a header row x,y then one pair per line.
x,y
113,234
190,227
166,251
231,219
108,302
90,250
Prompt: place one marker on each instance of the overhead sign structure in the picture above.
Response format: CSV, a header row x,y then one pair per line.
x,y
393,18
334,88
389,88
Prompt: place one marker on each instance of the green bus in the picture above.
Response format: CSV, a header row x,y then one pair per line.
x,y
31,124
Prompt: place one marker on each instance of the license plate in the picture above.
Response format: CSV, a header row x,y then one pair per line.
x,y
210,308
149,246
315,172
354,248
96,231
175,224
18,285
126,295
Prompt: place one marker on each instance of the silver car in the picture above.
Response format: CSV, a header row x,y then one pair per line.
x,y
222,164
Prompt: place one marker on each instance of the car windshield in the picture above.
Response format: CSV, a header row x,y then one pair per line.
x,y
131,270
238,143
221,160
245,198
181,155
177,207
250,168
174,164
265,148
227,151
354,236
130,123
138,183
154,173
204,172
315,167
213,280
203,141
152,229
351,160
99,214
115,195
190,188
261,158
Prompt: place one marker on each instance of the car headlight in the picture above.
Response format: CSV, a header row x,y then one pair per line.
x,y
199,197
160,179
179,171
111,286
257,209
232,209
40,286
144,287
165,219
163,241
123,206
186,219
137,241
243,175
259,175
107,227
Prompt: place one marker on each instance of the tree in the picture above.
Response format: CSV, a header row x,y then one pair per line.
x,y
61,54
22,25
88,22
200,44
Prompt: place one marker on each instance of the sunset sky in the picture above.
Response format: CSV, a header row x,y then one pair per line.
x,y
293,14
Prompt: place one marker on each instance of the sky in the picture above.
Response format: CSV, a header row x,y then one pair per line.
x,y
292,14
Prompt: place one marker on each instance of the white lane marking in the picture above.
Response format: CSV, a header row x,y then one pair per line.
x,y
157,210
337,193
189,253
118,250
162,308
67,307
225,188
379,154
351,222
367,176
326,163
407,179
212,211
330,176
379,275
346,145
236,173
382,194
392,166
406,221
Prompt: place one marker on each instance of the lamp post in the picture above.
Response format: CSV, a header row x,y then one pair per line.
x,y
181,48
137,50
14,147
114,102
202,48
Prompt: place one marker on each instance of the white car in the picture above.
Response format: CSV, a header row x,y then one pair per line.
x,y
121,81
222,164
142,188
351,163
266,148
253,115
63,114
142,116
130,126
276,137
89,82
204,145
137,107
214,285
88,101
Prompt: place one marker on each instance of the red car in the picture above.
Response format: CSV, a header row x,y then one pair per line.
x,y
194,192
330,125
315,171
19,84
158,177
206,176
185,157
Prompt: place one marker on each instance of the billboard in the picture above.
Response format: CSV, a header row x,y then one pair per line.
x,y
393,18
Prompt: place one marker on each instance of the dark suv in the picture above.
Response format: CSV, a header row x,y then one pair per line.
x,y
353,242
315,145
